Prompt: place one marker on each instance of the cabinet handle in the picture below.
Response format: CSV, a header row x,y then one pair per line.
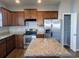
x,y
75,34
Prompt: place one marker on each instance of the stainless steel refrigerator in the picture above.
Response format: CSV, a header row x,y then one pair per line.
x,y
55,26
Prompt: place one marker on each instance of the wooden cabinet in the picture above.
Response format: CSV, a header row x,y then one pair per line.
x,y
17,18
30,13
40,35
10,44
9,18
50,14
20,18
7,45
19,41
40,18
14,19
2,48
46,15
6,17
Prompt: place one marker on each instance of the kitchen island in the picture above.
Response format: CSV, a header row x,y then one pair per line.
x,y
42,47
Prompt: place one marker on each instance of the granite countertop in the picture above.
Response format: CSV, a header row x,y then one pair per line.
x,y
45,47
5,35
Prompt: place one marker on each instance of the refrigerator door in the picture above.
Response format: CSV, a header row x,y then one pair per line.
x,y
55,26
47,23
56,29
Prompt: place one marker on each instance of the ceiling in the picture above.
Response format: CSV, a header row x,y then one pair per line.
x,y
29,3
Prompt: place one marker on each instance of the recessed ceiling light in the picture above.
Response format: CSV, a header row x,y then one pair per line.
x,y
17,1
39,1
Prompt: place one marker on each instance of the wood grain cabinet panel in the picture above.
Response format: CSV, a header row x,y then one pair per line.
x,y
20,18
6,16
50,14
46,15
19,41
14,18
30,13
10,44
9,19
33,14
40,35
2,48
6,46
40,18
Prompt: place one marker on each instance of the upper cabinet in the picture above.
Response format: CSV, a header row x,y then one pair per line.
x,y
46,15
17,18
50,14
14,18
6,17
30,13
40,18
20,18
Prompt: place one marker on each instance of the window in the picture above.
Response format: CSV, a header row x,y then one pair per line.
x,y
0,20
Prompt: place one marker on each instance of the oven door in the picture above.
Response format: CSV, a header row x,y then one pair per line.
x,y
27,39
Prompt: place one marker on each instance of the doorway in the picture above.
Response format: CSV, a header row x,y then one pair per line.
x,y
67,29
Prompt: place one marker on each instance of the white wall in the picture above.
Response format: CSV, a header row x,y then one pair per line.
x,y
65,7
70,6
76,9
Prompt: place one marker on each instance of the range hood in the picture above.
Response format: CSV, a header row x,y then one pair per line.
x,y
30,23
29,20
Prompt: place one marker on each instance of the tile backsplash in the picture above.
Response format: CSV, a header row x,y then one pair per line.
x,y
4,30
22,29
17,29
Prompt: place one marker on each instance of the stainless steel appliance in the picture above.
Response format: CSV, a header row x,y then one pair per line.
x,y
28,39
31,31
53,26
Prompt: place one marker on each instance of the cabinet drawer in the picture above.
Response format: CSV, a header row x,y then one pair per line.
x,y
40,35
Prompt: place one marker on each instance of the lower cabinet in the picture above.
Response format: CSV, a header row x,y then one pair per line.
x,y
2,48
10,44
19,41
40,35
7,45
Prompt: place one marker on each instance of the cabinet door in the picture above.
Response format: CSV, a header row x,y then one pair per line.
x,y
50,14
30,14
2,48
19,41
27,13
10,41
9,18
8,45
33,14
14,18
21,18
40,18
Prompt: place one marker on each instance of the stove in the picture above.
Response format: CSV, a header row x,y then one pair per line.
x,y
28,37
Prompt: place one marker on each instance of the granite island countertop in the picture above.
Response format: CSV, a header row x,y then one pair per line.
x,y
45,47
